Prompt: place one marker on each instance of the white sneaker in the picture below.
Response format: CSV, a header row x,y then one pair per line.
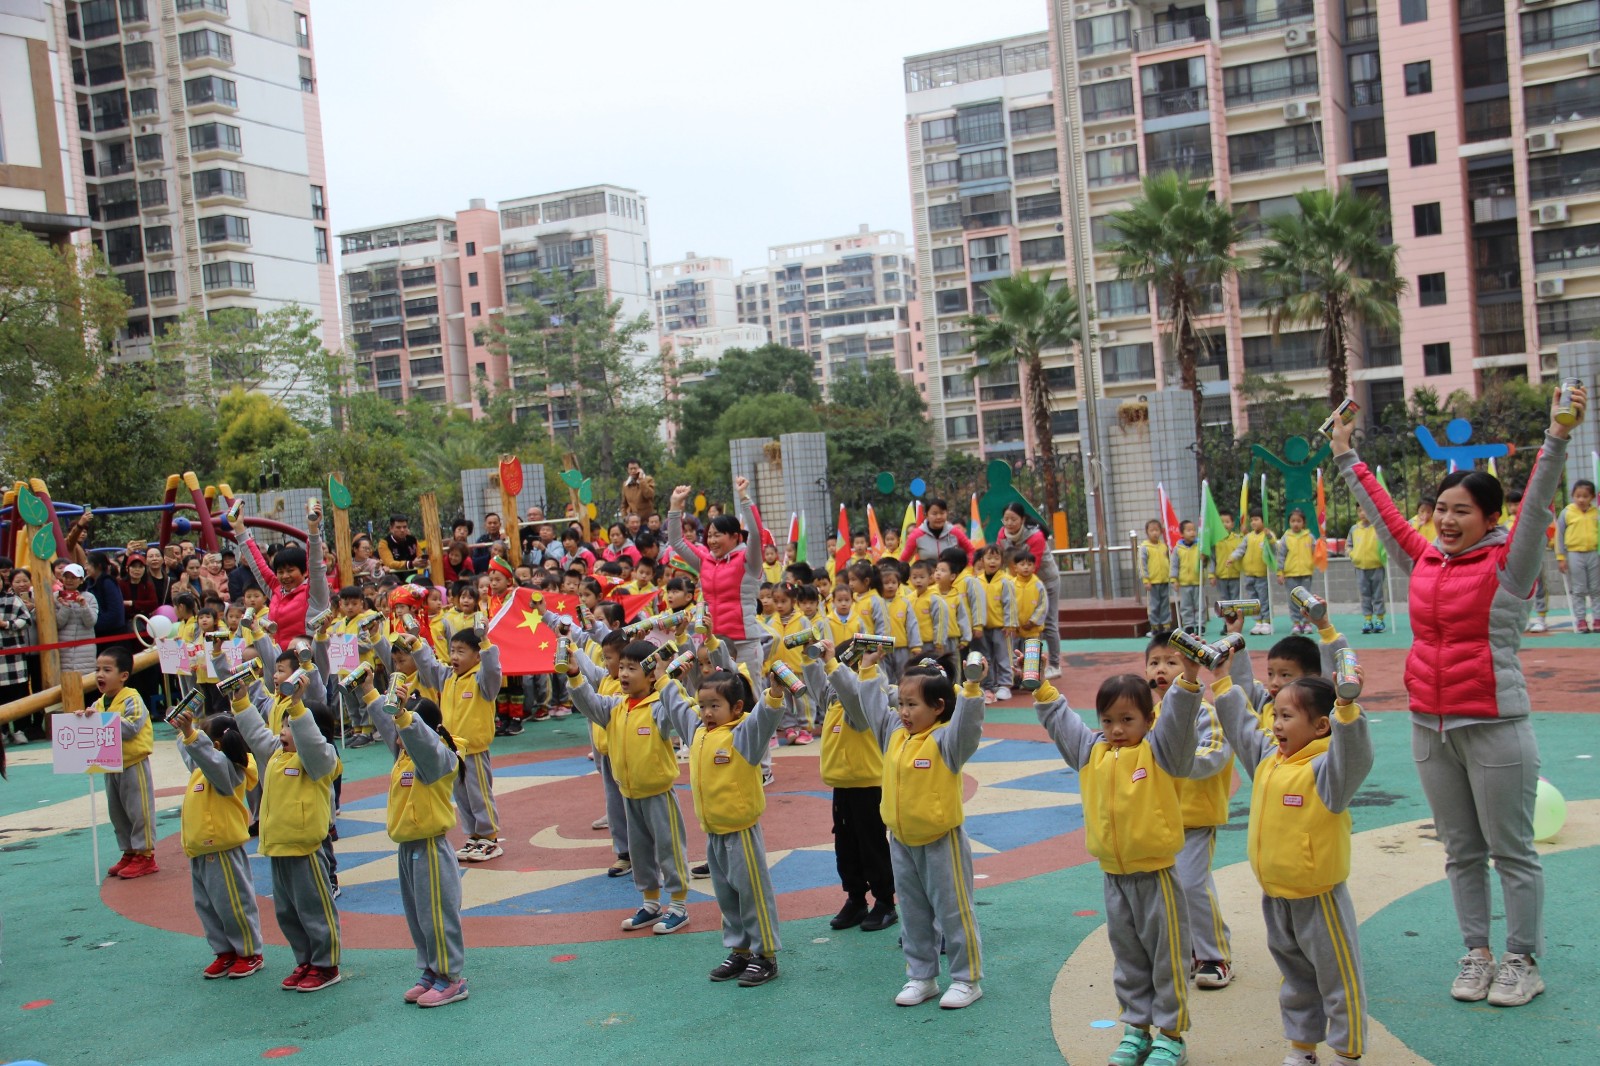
x,y
602,822
489,849
1472,983
1517,981
1050,673
916,992
1300,1058
960,994
766,777
468,851
1538,626
1002,694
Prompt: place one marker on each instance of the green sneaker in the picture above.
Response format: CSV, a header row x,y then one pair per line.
x,y
1166,1051
1134,1047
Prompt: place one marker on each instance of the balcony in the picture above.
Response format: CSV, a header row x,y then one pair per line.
x,y
1175,102
1194,164
1360,28
110,168
1493,280
1366,93
1574,107
1550,37
135,13
986,220
1276,159
1237,17
1487,120
1172,34
202,10
206,48
210,94
1481,9
1267,89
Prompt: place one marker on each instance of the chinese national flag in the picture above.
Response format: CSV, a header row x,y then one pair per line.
x,y
632,602
527,645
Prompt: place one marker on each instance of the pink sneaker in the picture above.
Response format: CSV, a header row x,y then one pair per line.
x,y
440,994
423,986
802,737
789,735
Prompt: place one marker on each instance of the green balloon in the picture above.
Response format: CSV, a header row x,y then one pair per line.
x,y
886,482
586,492
31,508
572,477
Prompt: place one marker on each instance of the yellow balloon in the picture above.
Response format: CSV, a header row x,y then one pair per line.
x,y
593,511
700,502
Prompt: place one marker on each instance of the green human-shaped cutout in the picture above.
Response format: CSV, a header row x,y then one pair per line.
x,y
992,504
1299,469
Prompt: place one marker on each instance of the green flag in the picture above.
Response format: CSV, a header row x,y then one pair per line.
x,y
1268,550
800,542
1383,553
1211,531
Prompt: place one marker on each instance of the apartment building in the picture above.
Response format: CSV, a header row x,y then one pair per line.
x,y
1476,121
843,299
200,144
41,189
696,292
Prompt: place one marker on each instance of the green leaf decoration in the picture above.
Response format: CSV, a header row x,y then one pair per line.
x,y
586,491
572,477
31,508
44,542
338,495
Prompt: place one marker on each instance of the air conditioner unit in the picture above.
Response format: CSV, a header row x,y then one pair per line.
x,y
1108,336
1055,183
1549,362
1297,37
1543,141
1551,214
1298,110
1549,288
1101,138
1594,58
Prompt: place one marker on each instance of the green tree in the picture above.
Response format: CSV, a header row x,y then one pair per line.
x,y
754,416
876,421
277,353
1028,320
1178,239
740,373
59,309
248,424
1330,265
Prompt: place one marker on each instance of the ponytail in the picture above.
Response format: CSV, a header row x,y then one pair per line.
x,y
224,733
433,718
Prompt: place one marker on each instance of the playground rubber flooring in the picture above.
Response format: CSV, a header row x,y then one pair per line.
x,y
96,972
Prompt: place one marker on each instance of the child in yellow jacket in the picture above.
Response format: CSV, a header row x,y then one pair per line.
x,y
1155,571
1128,773
1306,772
1366,555
1252,555
130,793
1295,553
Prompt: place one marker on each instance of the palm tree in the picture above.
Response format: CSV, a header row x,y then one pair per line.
x,y
1178,238
1028,318
1331,265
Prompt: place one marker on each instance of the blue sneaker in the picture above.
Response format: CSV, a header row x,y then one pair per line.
x,y
1133,1049
671,922
1165,1051
642,918
1378,626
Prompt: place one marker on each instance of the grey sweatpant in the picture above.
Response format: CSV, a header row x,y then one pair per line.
x,y
1148,925
225,901
934,883
1323,996
1481,781
131,802
616,806
1372,592
1208,930
1227,588
1259,588
303,903
1158,605
894,664
474,794
430,889
743,886
1052,620
1290,583
1583,576
797,712
656,846
997,649
1189,607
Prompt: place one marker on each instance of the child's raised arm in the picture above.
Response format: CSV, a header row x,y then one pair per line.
x,y
1241,725
489,677
1244,679
1073,737
257,737
959,741
1173,738
316,754
589,703
218,769
676,708
431,673
432,758
754,732
382,719
1341,770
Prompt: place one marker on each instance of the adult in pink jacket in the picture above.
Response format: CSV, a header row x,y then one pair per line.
x,y
934,535
729,568
1470,736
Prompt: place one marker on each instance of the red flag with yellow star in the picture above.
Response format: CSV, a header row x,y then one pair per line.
x,y
527,645
633,603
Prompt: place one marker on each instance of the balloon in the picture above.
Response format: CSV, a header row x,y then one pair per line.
x,y
918,486
1549,812
160,626
166,611
886,482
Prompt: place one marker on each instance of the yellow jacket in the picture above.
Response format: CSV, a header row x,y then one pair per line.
x,y
900,612
467,701
851,757
921,793
138,738
1000,592
1429,532
1254,561
728,796
842,629
296,809
1131,811
1155,564
213,820
794,657
418,810
1298,848
642,759
1580,530
1298,548
1032,605
1226,567
1191,564
932,622
1364,547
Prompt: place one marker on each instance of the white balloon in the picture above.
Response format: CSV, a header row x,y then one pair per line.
x,y
160,626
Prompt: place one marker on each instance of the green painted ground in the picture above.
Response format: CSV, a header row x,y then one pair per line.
x,y
129,994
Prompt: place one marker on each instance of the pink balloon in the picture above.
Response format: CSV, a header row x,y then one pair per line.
x,y
166,611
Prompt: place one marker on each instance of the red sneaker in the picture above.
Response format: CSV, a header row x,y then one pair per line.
x,y
542,714
121,864
245,965
139,866
317,978
292,982
220,965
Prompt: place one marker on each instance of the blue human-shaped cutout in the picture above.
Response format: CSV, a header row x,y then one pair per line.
x,y
1458,433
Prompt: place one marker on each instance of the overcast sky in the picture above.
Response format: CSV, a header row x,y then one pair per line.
x,y
745,124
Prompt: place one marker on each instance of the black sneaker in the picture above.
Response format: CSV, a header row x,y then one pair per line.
x,y
881,917
760,970
731,967
702,870
850,915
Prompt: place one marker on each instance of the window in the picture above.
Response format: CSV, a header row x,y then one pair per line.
x,y
1064,422
990,255
986,210
1127,362
947,172
219,229
472,247
1121,298
208,183
1274,79
228,275
1419,78
1286,146
944,216
1255,214
1003,426
957,387
964,427
139,55
1368,139
1424,149
983,124
1573,100
144,102
1187,149
984,165
1436,359
1559,27
147,149
1567,174
302,31
1034,208
949,258
210,90
1430,290
152,193
1044,250
1174,88
157,239
1484,59
472,278
477,309
1111,166
1426,220
1031,120
319,203
322,245
1413,11
1567,248
1366,79
426,305
1564,320
950,301
213,136
939,131
1034,164
1107,99
163,285
1104,33
205,44
122,246
1284,353
308,79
